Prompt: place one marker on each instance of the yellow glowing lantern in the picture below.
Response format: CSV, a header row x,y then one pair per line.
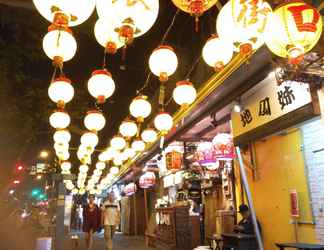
x,y
244,23
94,120
194,7
59,119
218,52
140,108
149,135
62,136
59,45
65,13
90,139
185,93
106,35
163,62
128,128
61,91
132,18
163,122
138,145
101,85
293,29
118,142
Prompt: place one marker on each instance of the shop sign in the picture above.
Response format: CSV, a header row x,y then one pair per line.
x,y
168,181
268,103
294,206
178,177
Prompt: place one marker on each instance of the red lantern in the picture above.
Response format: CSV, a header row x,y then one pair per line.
x,y
224,146
147,180
174,160
130,189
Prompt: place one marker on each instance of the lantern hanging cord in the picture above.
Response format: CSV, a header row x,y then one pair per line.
x,y
54,74
148,78
104,61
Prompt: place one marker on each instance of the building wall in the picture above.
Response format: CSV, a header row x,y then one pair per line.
x,y
313,145
280,164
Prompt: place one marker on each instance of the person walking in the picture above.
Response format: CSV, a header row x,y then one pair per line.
x,y
78,217
91,221
110,219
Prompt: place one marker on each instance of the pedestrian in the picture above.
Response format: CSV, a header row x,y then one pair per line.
x,y
245,226
110,219
91,220
78,217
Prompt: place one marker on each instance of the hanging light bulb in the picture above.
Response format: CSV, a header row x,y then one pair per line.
x,y
218,52
185,93
61,91
83,168
132,18
140,108
59,119
163,122
90,139
94,120
163,62
128,128
138,145
118,142
101,85
114,170
65,13
149,135
62,136
100,165
106,35
294,28
59,45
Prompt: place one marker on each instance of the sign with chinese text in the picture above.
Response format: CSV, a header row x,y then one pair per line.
x,y
269,102
168,181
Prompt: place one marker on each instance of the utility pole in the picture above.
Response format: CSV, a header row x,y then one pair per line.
x,y
59,231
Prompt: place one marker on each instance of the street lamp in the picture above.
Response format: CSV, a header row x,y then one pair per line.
x,y
43,154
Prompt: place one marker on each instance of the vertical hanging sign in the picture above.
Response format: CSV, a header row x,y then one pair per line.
x,y
294,204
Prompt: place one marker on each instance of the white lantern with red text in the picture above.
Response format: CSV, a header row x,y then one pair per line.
x,y
94,120
130,189
224,146
185,93
61,91
101,85
147,180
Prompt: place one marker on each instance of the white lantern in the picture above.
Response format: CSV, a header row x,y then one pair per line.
x,y
65,13
114,170
94,120
59,45
163,62
106,35
90,139
100,165
61,91
83,176
129,152
149,135
118,142
64,156
124,155
97,172
59,119
118,161
185,93
69,186
163,122
132,18
83,168
140,108
66,166
218,52
138,145
101,85
128,128
107,155
62,136
75,191
61,146
82,191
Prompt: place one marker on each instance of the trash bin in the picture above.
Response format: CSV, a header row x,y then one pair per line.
x,y
44,243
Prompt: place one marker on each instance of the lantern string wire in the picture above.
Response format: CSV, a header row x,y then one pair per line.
x,y
104,62
148,78
54,74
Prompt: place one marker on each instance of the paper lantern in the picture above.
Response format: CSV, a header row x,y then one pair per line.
x,y
62,136
163,62
130,189
118,142
138,145
149,135
100,165
185,93
218,52
243,22
128,128
97,172
89,139
61,91
106,35
132,18
59,119
206,155
174,160
94,120
129,152
107,155
65,13
163,122
224,146
83,168
140,108
101,85
66,166
147,180
293,29
114,170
